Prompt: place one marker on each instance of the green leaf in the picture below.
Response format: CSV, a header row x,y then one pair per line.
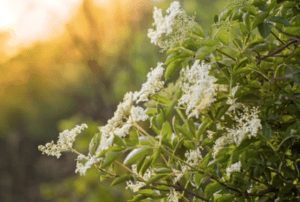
x,y
172,70
204,125
204,51
139,164
146,164
259,19
137,197
198,178
159,119
136,155
212,188
155,155
185,130
110,156
224,36
294,30
94,143
149,193
166,132
163,170
157,177
224,198
133,138
120,179
264,29
119,141
197,29
216,18
280,19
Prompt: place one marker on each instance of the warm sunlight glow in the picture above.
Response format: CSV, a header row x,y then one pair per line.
x,y
103,2
31,20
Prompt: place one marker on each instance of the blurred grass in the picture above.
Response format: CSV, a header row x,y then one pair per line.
x,y
77,77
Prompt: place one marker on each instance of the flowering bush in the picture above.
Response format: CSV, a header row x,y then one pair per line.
x,y
219,120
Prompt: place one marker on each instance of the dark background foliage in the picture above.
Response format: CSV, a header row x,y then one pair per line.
x,y
77,77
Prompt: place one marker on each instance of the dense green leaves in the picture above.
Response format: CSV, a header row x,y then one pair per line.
x,y
136,155
253,45
244,145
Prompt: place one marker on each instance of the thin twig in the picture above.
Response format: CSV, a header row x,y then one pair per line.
x,y
227,55
180,188
278,50
288,34
263,192
277,37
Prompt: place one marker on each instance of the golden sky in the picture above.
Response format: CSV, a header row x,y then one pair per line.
x,y
27,21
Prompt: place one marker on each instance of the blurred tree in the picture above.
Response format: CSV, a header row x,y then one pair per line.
x,y
55,84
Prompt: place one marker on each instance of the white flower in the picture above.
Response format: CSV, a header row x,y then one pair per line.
x,y
153,84
179,174
231,101
51,149
138,114
198,88
127,113
134,186
64,143
118,124
137,185
248,125
123,130
173,196
146,176
236,167
221,143
83,163
210,134
170,29
193,157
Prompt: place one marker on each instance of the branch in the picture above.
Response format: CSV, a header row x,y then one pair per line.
x,y
288,34
277,37
223,53
180,188
225,185
263,192
278,50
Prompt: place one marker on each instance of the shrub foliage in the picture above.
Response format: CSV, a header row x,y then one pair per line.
x,y
219,120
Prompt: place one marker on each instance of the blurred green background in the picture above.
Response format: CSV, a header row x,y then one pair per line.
x,y
77,76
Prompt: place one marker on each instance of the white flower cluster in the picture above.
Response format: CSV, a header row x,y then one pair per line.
x,y
137,185
221,143
248,125
138,114
134,186
64,143
193,158
231,101
153,84
171,28
125,116
118,124
236,167
127,113
173,196
83,163
198,87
